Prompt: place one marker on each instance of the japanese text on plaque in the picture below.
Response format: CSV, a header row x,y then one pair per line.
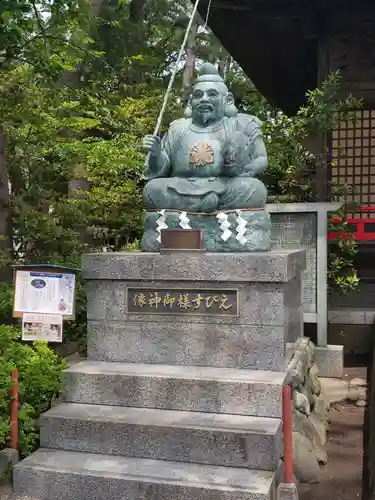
x,y
182,301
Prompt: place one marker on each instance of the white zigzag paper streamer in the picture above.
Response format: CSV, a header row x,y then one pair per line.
x,y
184,221
161,224
224,226
241,228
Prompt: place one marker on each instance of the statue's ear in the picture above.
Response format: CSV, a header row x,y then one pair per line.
x,y
230,108
188,112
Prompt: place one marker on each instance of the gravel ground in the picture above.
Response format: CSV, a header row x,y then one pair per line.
x,y
342,476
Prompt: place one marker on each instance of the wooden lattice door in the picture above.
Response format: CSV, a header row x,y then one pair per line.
x,y
353,158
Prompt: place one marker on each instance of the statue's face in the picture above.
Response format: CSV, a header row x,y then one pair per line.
x,y
208,102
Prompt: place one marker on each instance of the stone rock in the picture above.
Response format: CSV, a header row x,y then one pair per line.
x,y
301,358
292,378
314,400
319,423
334,390
321,456
315,384
326,400
357,390
357,393
353,394
362,392
307,392
301,403
320,408
297,421
314,429
357,382
361,403
311,353
297,378
305,464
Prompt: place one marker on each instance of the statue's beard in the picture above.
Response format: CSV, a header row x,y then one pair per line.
x,y
205,116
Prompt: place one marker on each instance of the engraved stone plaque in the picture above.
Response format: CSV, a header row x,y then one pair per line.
x,y
299,230
181,301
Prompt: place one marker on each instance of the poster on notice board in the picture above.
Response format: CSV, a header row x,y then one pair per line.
x,y
42,327
44,292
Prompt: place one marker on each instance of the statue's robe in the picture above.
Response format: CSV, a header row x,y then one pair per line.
x,y
206,168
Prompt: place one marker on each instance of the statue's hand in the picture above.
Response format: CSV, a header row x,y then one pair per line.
x,y
248,171
152,144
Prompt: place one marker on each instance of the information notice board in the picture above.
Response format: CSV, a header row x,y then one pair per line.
x,y
44,293
44,296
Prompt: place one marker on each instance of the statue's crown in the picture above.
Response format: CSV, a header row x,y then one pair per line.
x,y
209,73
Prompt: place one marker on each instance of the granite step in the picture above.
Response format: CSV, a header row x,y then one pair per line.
x,y
182,436
173,387
68,475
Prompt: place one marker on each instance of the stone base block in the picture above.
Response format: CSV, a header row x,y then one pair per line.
x,y
257,234
260,304
67,475
330,361
287,491
8,458
199,344
192,388
208,309
275,266
182,436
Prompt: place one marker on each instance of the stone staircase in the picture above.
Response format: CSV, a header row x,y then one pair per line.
x,y
137,431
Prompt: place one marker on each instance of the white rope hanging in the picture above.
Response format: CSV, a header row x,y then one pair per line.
x,y
224,225
184,221
175,70
161,224
241,228
207,14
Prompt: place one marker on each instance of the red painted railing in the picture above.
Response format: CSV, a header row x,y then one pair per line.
x,y
14,411
287,431
363,229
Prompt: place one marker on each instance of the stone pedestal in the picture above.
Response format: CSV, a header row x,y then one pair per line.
x,y
181,392
261,308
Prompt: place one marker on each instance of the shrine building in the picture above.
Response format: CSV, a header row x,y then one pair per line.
x,y
288,47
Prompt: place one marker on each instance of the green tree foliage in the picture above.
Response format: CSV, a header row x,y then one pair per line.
x,y
342,275
47,35
40,374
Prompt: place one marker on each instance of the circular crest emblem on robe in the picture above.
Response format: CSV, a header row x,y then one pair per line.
x,y
201,155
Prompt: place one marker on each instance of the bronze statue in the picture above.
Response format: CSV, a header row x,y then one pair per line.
x,y
205,168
